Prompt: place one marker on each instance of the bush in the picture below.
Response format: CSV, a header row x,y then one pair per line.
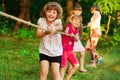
x,y
24,33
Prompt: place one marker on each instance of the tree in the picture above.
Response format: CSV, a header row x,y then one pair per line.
x,y
3,5
24,13
69,7
108,7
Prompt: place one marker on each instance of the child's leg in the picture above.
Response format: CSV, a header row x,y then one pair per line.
x,y
55,67
63,64
62,72
73,60
44,68
73,70
81,61
88,45
93,56
70,66
94,41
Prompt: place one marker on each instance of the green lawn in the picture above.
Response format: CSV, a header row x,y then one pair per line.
x,y
19,61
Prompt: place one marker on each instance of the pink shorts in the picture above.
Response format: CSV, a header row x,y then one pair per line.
x,y
70,56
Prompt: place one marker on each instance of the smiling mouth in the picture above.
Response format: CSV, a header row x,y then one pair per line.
x,y
50,17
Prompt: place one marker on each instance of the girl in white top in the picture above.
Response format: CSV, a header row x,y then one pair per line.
x,y
50,48
94,25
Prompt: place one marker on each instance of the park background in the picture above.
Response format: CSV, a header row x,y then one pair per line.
x,y
19,45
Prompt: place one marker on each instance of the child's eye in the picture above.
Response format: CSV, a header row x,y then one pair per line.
x,y
54,12
49,11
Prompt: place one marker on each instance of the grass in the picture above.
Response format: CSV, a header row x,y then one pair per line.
x,y
19,61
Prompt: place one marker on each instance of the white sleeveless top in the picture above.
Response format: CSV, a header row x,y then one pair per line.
x,y
96,22
50,45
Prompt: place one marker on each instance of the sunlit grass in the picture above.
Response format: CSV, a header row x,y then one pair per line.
x,y
19,61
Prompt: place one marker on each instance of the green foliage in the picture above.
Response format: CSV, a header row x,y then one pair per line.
x,y
12,7
6,25
116,39
3,26
108,6
0,7
102,27
24,33
3,29
110,41
86,10
35,8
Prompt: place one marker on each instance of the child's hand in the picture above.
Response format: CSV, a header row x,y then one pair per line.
x,y
89,24
48,31
72,35
75,37
57,24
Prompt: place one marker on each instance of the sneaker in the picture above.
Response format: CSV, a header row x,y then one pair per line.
x,y
100,60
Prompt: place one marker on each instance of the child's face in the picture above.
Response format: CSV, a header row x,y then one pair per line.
x,y
51,14
76,22
77,12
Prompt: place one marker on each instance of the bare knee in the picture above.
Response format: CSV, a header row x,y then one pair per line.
x,y
43,73
76,66
63,68
43,76
56,75
82,54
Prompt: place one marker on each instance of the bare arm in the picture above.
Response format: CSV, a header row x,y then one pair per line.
x,y
41,33
76,37
56,27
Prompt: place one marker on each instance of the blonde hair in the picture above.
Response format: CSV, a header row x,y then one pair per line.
x,y
52,5
77,16
81,25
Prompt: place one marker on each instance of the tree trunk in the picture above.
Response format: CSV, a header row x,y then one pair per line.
x,y
69,7
3,6
24,13
108,26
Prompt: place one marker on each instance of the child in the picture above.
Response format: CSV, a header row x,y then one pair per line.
x,y
94,24
68,40
78,47
51,45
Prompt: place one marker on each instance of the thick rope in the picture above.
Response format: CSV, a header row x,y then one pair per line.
x,y
26,22
20,20
23,21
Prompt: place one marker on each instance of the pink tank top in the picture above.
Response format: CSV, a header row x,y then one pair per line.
x,y
67,41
